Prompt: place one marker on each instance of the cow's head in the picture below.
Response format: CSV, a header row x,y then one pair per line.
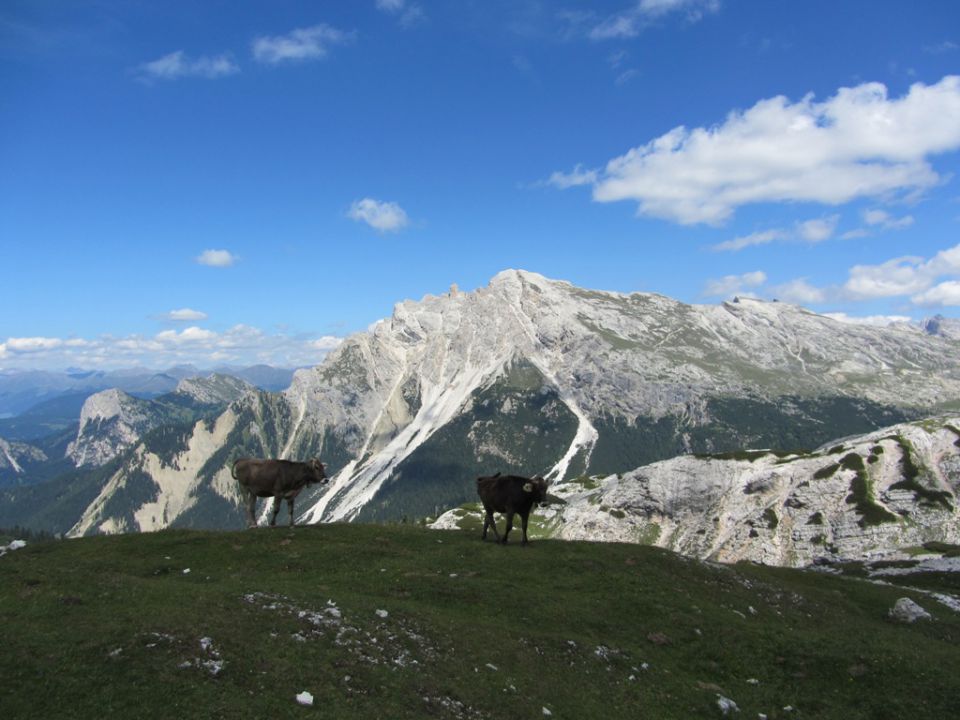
x,y
319,473
537,488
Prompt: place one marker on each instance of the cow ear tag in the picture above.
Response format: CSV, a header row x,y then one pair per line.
x,y
528,487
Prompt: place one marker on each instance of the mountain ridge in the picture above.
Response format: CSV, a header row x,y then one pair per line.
x,y
537,376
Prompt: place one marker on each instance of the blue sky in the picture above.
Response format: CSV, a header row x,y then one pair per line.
x,y
236,182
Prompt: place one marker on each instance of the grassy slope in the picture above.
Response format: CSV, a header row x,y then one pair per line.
x,y
818,643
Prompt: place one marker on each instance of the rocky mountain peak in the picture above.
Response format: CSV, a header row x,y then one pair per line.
x,y
213,389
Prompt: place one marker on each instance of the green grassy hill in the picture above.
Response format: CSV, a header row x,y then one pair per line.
x,y
395,621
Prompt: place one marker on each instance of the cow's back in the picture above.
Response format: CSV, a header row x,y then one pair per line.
x,y
259,476
499,492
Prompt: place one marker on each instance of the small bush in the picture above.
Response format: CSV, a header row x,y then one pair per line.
x,y
826,472
771,518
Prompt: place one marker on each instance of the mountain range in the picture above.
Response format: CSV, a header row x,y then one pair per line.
x,y
533,376
23,390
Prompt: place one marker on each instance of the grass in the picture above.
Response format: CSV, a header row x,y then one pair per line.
x,y
100,627
861,494
911,474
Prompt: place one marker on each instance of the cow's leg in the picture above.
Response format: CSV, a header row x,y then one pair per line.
x,y
290,508
508,528
251,506
275,511
523,524
488,521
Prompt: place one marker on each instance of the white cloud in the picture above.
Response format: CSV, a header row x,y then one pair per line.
x,y
216,258
310,43
903,276
853,234
900,276
811,231
946,294
184,315
410,13
578,176
757,238
327,342
858,143
799,292
632,21
818,230
191,334
178,65
943,47
734,284
241,344
383,216
874,320
876,217
32,344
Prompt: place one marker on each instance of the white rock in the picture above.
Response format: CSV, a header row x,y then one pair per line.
x,y
906,610
382,614
305,698
726,705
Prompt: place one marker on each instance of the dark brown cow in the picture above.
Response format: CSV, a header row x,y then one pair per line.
x,y
278,479
509,494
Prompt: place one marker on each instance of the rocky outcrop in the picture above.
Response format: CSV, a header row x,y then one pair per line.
x,y
110,422
857,498
214,389
16,458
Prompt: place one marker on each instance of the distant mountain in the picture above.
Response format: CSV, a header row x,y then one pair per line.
x,y
45,418
859,497
112,421
264,377
533,375
23,391
16,460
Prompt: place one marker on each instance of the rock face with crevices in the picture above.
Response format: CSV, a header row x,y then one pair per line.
x,y
853,499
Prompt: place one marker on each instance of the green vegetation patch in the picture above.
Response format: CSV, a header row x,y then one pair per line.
x,y
649,534
771,518
911,480
737,423
945,549
861,494
826,472
402,622
585,482
956,432
617,342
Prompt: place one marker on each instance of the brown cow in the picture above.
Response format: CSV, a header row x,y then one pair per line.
x,y
277,479
509,494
